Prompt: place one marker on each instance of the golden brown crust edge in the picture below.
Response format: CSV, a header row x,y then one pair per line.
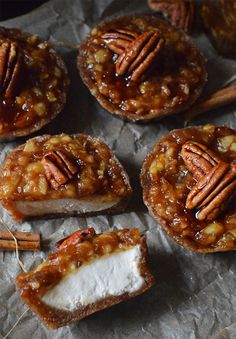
x,y
120,207
57,318
115,110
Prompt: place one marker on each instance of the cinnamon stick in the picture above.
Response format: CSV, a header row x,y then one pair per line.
x,y
26,241
218,99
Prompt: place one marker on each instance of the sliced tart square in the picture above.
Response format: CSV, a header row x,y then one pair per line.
x,y
87,273
63,175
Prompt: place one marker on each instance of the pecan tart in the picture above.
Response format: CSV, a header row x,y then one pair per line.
x,y
189,186
33,83
140,68
88,272
219,19
62,174
179,13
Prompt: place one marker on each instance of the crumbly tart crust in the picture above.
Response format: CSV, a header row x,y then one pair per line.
x,y
170,86
167,182
88,173
40,84
33,285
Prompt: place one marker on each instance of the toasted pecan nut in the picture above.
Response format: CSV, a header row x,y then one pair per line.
x,y
215,180
180,13
119,39
198,159
211,194
76,237
59,168
139,56
10,68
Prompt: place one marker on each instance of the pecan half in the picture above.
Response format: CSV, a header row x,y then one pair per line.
x,y
119,39
139,55
180,13
59,168
10,67
198,159
76,237
212,192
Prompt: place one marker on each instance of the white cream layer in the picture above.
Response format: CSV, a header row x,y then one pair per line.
x,y
108,276
60,206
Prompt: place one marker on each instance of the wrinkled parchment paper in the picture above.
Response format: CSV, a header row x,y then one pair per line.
x,y
194,295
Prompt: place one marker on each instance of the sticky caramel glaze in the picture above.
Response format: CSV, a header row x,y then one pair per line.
x,y
171,85
33,285
41,92
22,176
166,183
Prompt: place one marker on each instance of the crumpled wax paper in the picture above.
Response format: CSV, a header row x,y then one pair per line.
x,y
194,295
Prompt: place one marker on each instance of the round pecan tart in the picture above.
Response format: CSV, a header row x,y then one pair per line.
x,y
140,68
33,83
179,13
219,19
189,186
63,175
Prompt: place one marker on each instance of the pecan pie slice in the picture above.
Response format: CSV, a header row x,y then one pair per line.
x,y
189,187
62,174
33,83
140,68
87,273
